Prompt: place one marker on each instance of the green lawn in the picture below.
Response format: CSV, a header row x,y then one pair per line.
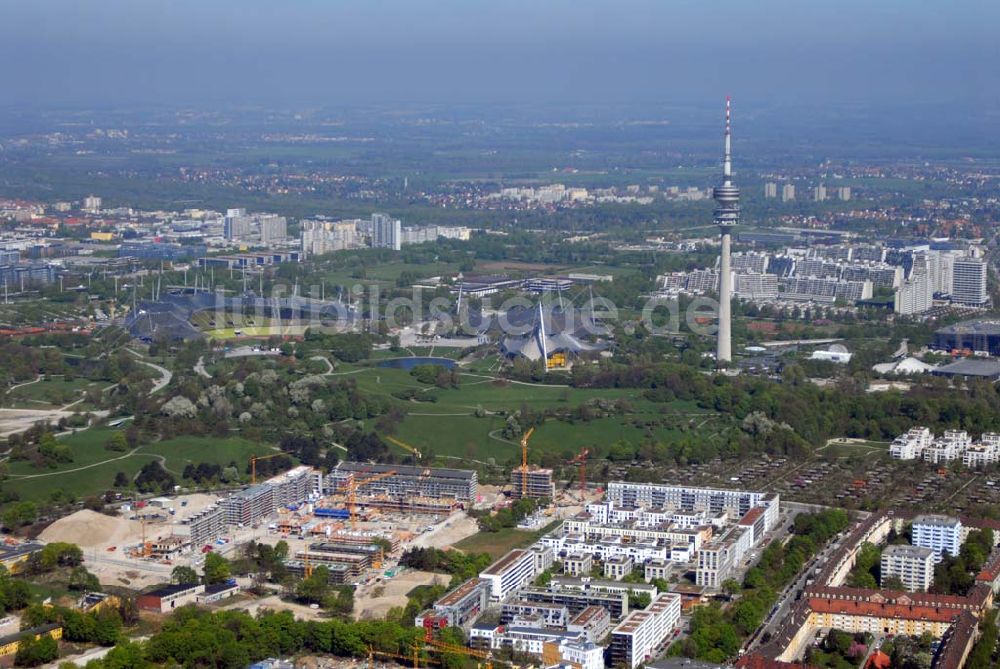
x,y
477,390
94,467
449,429
498,543
845,450
184,450
463,437
467,437
55,391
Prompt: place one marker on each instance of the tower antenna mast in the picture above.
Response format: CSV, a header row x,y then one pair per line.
x,y
727,215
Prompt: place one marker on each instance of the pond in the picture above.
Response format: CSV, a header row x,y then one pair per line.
x,y
410,363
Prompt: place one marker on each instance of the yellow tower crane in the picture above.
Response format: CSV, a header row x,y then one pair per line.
x,y
441,647
253,464
405,446
352,491
414,659
524,461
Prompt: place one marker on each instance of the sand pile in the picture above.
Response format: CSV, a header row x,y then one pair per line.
x,y
89,529
453,530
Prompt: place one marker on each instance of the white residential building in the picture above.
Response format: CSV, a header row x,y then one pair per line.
x,y
657,569
913,565
948,447
599,547
578,564
915,295
514,570
585,655
969,281
717,559
273,228
387,232
941,534
637,637
618,567
711,500
981,455
756,286
911,445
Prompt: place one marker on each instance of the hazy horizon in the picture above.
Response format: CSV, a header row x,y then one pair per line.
x,y
773,53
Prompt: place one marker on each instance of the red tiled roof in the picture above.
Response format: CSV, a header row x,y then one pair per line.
x,y
879,660
751,516
885,610
991,569
891,596
754,661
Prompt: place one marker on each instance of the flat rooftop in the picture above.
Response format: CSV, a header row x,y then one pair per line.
x,y
459,593
978,326
407,470
504,563
936,519
907,551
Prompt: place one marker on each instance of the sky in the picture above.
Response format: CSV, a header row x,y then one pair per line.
x,y
282,53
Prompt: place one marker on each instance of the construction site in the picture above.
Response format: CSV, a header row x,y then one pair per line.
x,y
355,521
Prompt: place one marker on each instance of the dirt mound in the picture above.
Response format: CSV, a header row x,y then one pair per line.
x,y
89,529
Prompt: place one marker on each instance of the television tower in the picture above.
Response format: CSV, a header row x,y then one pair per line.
x,y
727,215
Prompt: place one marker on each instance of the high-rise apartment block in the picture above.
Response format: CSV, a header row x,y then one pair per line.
x,y
273,228
788,192
913,565
819,193
941,534
386,232
319,237
237,224
770,190
915,295
969,281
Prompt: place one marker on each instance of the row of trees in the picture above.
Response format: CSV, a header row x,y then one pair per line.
x,y
194,637
461,566
984,654
813,413
716,633
956,575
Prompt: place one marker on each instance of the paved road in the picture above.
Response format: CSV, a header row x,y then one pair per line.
x,y
791,592
165,374
199,368
26,383
329,365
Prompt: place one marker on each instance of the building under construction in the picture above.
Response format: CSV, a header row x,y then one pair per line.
x,y
409,505
250,506
205,526
539,483
347,539
339,573
345,561
407,482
